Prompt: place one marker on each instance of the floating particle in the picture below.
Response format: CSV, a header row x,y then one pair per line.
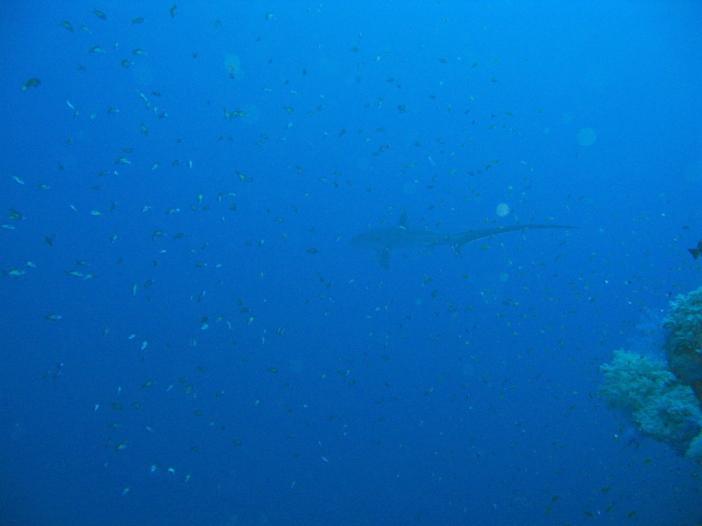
x,y
586,137
232,63
502,210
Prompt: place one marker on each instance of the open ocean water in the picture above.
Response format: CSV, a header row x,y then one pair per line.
x,y
270,263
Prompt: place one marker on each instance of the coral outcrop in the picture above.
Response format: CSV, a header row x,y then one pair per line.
x,y
683,345
664,398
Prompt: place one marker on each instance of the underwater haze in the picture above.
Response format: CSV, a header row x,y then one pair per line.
x,y
352,263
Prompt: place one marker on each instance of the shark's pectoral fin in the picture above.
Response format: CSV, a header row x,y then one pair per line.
x,y
384,257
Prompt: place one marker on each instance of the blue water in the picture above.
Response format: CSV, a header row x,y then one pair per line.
x,y
188,336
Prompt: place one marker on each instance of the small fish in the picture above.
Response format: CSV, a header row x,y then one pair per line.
x,y
31,83
97,50
18,180
15,215
696,252
173,10
67,26
54,317
137,20
138,52
234,114
100,14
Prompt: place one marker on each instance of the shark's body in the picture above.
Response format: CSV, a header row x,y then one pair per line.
x,y
384,240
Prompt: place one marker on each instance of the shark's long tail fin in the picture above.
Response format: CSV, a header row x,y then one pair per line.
x,y
459,240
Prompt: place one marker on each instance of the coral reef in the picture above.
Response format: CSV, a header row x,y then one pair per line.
x,y
683,345
694,450
660,405
664,399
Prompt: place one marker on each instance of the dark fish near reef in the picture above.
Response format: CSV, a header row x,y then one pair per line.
x,y
696,251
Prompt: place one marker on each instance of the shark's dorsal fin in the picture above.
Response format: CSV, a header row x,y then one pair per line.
x,y
402,222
